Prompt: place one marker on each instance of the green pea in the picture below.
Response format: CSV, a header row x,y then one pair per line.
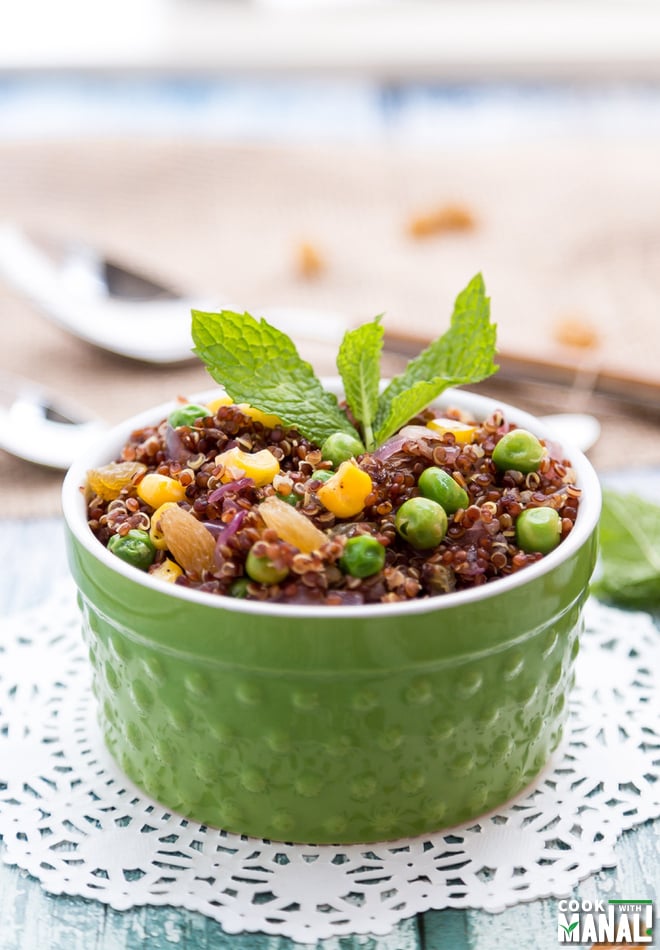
x,y
290,499
135,548
187,415
518,450
538,529
262,570
322,475
362,557
339,447
421,522
438,485
240,588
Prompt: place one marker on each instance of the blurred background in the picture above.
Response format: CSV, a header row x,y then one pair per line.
x,y
321,162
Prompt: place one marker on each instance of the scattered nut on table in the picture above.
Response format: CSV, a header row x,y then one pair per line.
x,y
309,261
449,217
575,331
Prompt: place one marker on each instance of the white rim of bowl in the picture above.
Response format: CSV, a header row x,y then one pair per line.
x,y
108,447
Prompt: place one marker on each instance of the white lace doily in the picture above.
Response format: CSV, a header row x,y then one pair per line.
x,y
70,818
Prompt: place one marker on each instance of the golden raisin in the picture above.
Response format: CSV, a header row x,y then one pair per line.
x,y
291,525
189,542
108,480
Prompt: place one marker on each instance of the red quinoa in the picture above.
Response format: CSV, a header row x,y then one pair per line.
x,y
479,546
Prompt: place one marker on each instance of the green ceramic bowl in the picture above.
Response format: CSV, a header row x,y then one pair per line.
x,y
321,724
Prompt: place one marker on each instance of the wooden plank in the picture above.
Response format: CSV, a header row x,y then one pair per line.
x,y
535,923
446,928
33,919
558,367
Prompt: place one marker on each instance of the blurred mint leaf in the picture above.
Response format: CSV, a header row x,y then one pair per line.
x,y
463,355
629,534
358,362
259,364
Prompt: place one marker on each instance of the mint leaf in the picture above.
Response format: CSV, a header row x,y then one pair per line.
x,y
258,364
408,403
463,355
358,362
629,533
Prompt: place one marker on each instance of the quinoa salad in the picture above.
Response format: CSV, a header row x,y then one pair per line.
x,y
276,491
223,498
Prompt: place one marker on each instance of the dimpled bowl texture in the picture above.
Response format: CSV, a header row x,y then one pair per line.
x,y
331,724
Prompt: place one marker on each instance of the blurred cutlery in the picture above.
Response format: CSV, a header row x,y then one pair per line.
x,y
574,428
39,426
99,300
120,309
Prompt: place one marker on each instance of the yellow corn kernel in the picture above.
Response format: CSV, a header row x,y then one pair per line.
x,y
155,533
346,492
462,432
218,403
167,571
261,467
155,489
265,418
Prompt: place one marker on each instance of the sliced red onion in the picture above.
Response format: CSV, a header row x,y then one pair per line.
x,y
391,447
215,529
304,596
415,434
348,598
176,450
230,529
474,535
555,451
234,487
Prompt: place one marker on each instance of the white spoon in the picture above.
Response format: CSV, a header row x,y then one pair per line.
x,y
98,300
39,426
119,309
574,428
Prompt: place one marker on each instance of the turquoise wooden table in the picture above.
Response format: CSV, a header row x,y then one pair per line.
x,y
32,566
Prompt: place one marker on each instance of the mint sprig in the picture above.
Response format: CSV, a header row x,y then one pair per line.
x,y
463,355
358,362
259,364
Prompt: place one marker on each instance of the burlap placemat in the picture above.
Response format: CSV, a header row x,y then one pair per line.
x,y
559,231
